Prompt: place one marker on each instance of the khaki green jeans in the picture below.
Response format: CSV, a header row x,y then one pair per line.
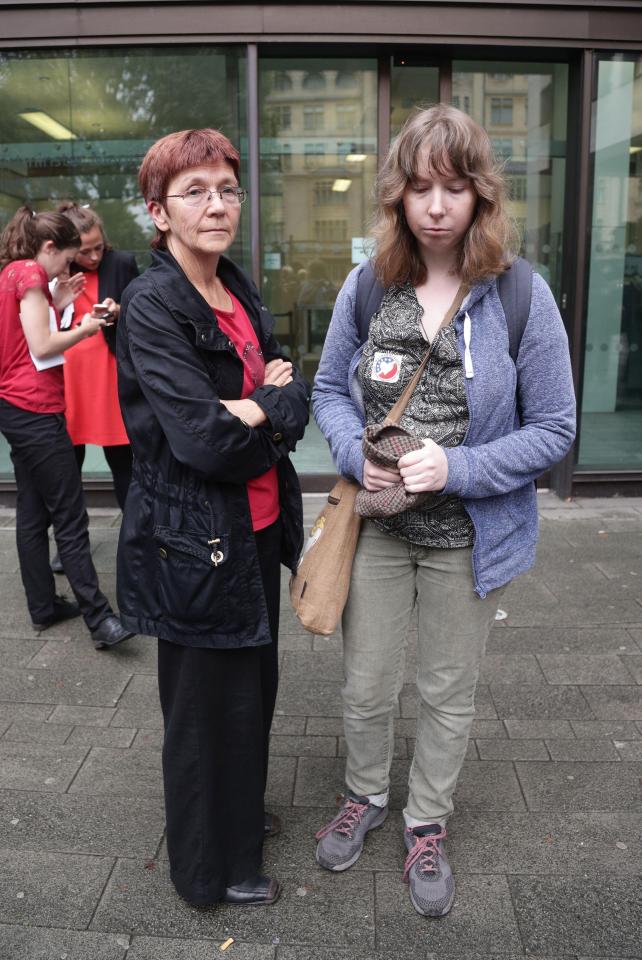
x,y
389,576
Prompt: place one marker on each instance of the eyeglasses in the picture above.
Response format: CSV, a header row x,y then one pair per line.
x,y
197,196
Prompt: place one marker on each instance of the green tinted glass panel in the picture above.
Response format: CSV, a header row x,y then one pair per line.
x,y
318,154
109,106
611,415
411,85
523,106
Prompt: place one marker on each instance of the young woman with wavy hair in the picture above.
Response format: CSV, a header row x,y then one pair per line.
x,y
488,419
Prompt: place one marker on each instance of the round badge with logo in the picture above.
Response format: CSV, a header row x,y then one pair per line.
x,y
386,367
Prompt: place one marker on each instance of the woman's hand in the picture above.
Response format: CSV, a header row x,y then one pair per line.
x,y
113,308
246,410
278,373
67,289
425,469
90,325
378,478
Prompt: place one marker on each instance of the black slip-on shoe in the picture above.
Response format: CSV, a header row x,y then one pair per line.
x,y
260,891
271,825
63,610
109,633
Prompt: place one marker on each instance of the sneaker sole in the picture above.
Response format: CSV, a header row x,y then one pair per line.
x,y
340,867
434,913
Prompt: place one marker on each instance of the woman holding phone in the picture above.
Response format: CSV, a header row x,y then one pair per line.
x,y
91,388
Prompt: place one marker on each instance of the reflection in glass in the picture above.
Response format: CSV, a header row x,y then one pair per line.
x,y
611,425
106,108
318,149
523,108
411,85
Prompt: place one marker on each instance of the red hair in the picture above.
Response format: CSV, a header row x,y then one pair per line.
x,y
180,151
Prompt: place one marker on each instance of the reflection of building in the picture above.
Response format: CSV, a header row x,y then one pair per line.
x,y
318,147
313,93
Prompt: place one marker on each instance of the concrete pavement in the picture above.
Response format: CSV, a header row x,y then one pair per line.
x,y
544,841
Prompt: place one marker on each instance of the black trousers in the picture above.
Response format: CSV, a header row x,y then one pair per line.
x,y
119,459
49,491
217,709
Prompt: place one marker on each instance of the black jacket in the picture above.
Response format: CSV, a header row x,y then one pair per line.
x,y
116,270
192,458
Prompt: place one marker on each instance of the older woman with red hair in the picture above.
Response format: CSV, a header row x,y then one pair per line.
x,y
212,409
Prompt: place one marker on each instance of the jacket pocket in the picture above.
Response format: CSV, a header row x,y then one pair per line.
x,y
194,577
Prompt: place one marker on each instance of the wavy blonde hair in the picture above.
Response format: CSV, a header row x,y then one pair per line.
x,y
444,139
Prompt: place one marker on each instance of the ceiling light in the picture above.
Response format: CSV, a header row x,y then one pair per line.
x,y
356,157
48,125
340,186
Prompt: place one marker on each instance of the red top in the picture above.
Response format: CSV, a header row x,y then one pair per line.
x,y
263,491
39,391
91,382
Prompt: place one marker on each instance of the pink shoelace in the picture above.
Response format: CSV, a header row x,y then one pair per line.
x,y
426,851
346,821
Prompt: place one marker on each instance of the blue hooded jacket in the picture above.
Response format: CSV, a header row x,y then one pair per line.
x,y
504,450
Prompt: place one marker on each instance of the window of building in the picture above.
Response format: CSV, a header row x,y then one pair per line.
x,y
518,187
345,79
314,80
282,81
282,116
330,229
346,117
502,146
501,111
324,194
313,117
313,154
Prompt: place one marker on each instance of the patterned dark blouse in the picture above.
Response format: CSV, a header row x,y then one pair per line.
x,y
437,409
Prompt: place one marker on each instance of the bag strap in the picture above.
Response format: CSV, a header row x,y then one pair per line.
x,y
367,300
515,289
397,411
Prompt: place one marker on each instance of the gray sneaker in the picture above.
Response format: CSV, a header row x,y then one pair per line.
x,y
341,841
432,887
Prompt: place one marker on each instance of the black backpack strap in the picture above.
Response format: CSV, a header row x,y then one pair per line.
x,y
367,300
515,288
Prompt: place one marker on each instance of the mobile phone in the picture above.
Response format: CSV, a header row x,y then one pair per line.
x,y
105,313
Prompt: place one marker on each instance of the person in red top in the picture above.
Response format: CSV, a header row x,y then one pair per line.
x,y
91,383
35,248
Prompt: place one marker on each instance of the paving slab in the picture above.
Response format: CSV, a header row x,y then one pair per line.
x,y
482,915
130,773
512,749
31,731
76,684
38,943
611,729
510,668
67,823
49,768
156,948
51,889
315,907
576,669
580,786
614,702
592,751
548,842
539,700
594,915
552,639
